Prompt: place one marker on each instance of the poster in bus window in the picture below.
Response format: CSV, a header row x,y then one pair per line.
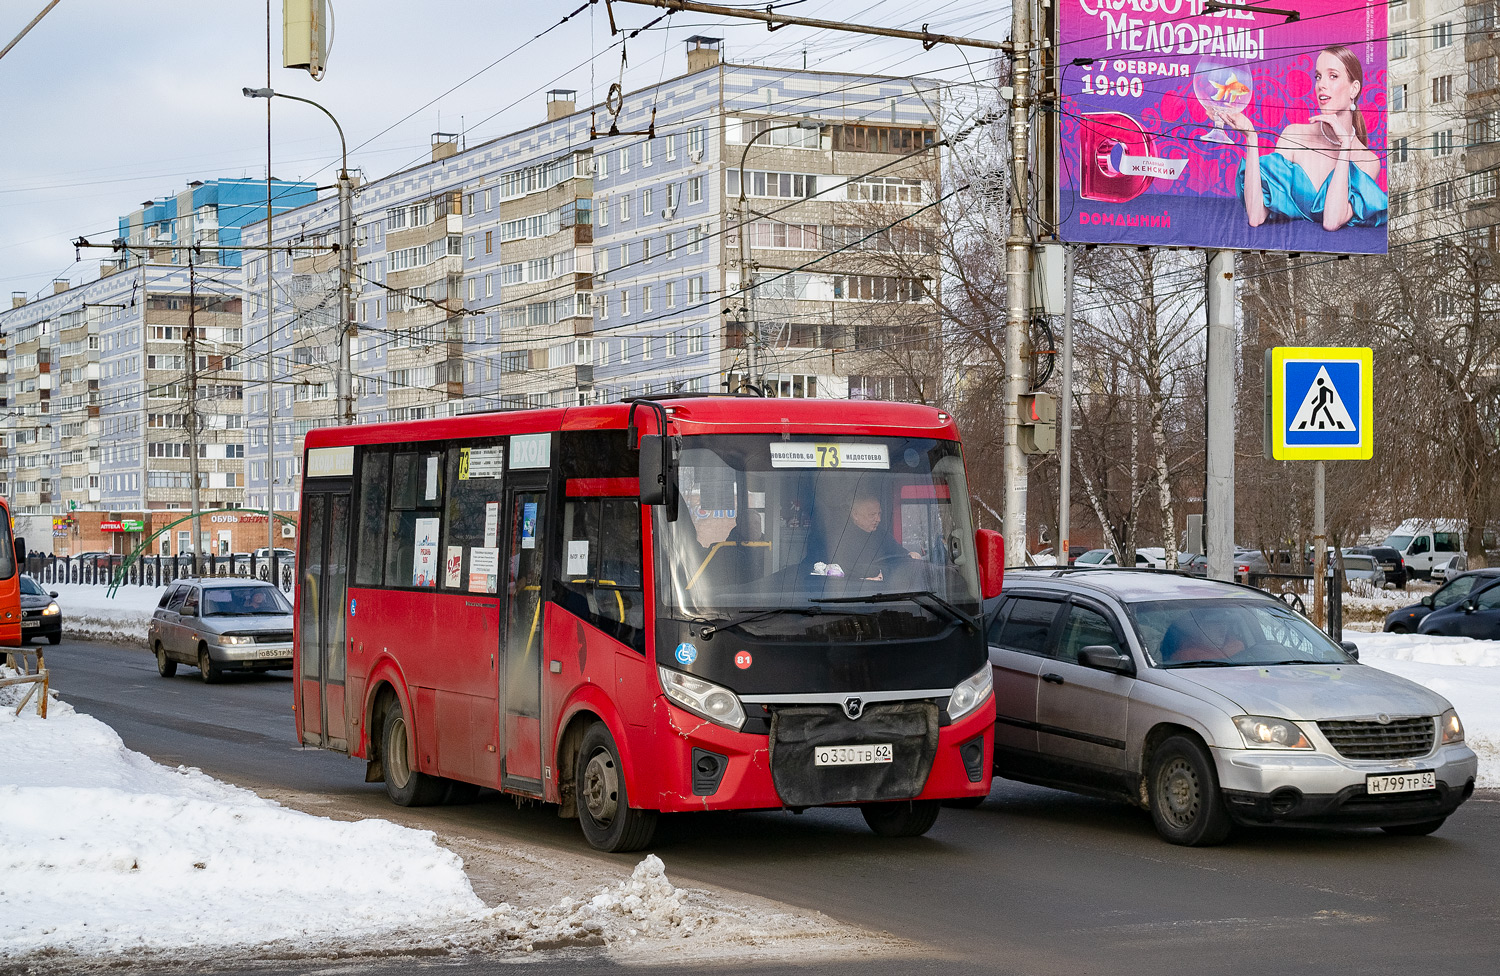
x,y
528,525
454,567
424,558
491,523
484,569
1236,128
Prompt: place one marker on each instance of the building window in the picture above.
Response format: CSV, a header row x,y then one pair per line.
x,y
1442,196
601,165
695,143
646,207
624,159
694,290
1442,89
672,146
1442,143
624,303
473,289
1442,35
1398,98
646,146
489,242
489,286
602,209
646,250
624,207
645,348
1398,44
1400,149
469,245
1482,186
695,343
604,306
695,189
646,299
669,294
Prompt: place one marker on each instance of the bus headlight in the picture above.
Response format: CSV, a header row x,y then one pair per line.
x,y
713,702
970,693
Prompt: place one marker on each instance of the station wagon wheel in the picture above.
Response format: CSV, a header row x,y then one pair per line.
x,y
604,812
1186,804
165,666
403,784
207,669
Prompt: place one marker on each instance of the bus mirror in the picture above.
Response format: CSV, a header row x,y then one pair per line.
x,y
21,551
658,479
990,548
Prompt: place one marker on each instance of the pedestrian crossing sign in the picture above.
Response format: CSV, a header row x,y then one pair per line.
x,y
1320,403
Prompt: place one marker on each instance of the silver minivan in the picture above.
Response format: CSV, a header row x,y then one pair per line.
x,y
221,624
1211,704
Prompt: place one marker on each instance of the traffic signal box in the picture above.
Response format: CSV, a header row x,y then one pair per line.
x,y
1038,423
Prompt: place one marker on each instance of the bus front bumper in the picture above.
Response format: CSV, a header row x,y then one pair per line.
x,y
708,767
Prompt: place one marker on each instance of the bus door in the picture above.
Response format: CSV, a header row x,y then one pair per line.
x,y
529,525
324,565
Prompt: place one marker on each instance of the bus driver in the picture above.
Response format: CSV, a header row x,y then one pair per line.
x,y
863,547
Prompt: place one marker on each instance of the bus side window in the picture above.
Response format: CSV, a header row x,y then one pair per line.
x,y
374,482
474,485
601,572
416,494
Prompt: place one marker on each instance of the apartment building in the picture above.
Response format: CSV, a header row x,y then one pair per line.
x,y
1481,43
596,256
208,215
1428,81
96,384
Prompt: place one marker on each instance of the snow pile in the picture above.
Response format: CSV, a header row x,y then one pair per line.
x,y
89,611
110,856
1462,670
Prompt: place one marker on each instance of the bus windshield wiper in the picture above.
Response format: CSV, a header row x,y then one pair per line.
x,y
931,600
708,632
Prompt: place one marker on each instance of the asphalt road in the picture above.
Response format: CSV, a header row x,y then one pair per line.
x,y
1034,881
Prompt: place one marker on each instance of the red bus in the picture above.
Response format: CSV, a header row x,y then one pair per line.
x,y
12,558
716,603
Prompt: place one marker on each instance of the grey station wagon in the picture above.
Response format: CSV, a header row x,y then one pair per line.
x,y
1211,704
218,625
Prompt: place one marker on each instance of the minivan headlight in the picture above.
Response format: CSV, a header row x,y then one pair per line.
x,y
236,639
970,693
713,702
1261,732
1453,729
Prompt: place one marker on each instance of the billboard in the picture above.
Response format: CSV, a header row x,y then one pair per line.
x,y
1234,128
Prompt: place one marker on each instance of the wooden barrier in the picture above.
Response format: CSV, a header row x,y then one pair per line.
x,y
19,659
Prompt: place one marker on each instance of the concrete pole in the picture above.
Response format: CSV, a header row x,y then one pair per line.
x,y
1218,502
1065,416
346,298
1017,286
192,415
1320,549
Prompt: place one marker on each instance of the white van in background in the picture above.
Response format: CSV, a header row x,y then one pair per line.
x,y
1427,542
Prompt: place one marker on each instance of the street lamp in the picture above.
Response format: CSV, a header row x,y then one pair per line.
x,y
747,271
345,379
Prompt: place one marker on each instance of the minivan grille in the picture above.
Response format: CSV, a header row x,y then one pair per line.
x,y
274,637
1400,738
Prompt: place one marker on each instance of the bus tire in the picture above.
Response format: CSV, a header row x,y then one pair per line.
x,y
404,785
902,818
608,820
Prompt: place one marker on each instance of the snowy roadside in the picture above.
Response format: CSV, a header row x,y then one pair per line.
x,y
109,857
90,612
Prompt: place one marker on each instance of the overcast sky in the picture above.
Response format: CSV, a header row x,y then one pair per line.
x,y
107,104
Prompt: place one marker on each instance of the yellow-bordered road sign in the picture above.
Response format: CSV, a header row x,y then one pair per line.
x,y
1321,403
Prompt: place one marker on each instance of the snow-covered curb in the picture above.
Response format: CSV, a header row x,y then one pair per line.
x,y
108,856
89,611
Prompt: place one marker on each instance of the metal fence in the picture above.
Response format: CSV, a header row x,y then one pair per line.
x,y
1295,590
156,570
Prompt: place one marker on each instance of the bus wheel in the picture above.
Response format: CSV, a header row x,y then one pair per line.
x,y
902,818
609,821
405,786
165,666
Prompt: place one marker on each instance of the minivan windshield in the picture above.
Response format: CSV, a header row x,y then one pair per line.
x,y
1230,632
808,525
1397,542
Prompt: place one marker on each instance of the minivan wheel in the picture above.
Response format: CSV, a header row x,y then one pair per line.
x,y
1186,804
165,666
207,669
608,820
404,785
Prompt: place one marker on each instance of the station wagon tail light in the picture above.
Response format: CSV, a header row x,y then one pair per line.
x,y
970,693
1261,732
236,639
713,702
53,610
1453,729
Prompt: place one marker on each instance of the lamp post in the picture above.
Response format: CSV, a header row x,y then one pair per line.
x,y
345,379
747,267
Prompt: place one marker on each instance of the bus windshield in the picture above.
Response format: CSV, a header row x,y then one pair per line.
x,y
807,523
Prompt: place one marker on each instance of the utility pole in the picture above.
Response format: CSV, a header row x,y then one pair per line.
x,y
1218,498
347,330
1017,286
192,416
1065,416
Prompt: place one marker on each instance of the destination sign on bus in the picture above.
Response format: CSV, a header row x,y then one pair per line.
x,y
794,454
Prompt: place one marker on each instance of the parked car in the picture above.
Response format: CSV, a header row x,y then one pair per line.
x,y
1451,566
1106,557
221,624
1212,704
284,557
91,559
40,614
1423,543
1477,616
1406,619
1392,563
1361,568
1196,564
